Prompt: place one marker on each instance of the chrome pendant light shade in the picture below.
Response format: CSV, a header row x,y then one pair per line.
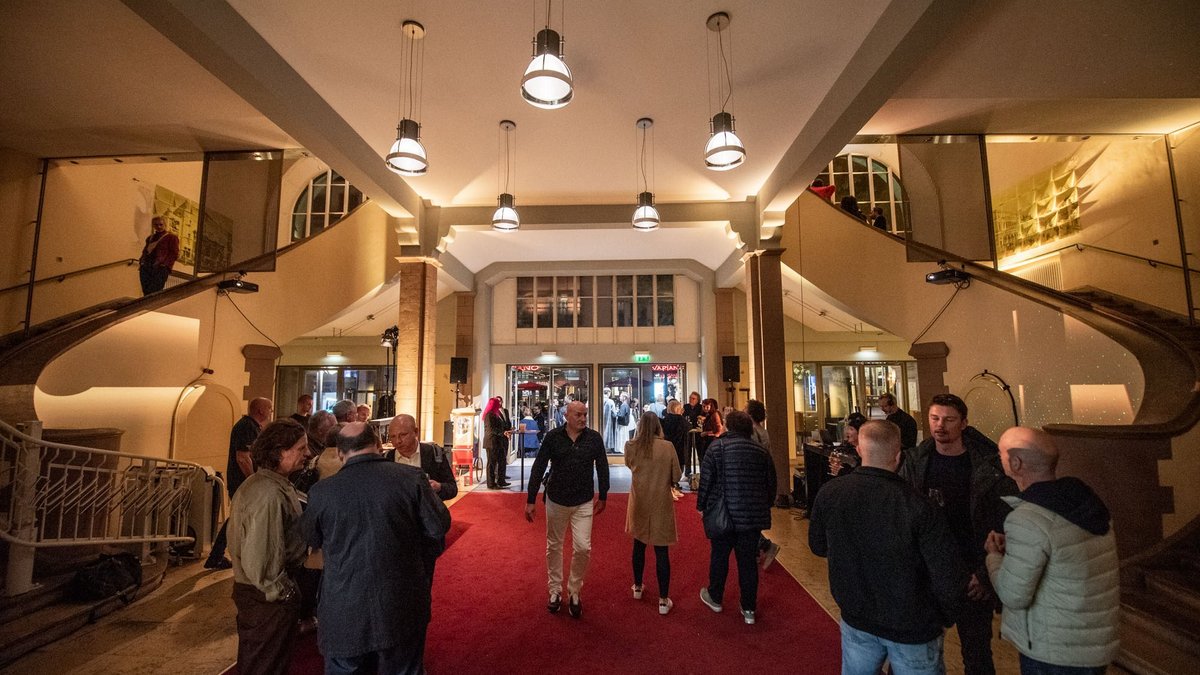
x,y
407,155
547,83
724,150
646,218
506,218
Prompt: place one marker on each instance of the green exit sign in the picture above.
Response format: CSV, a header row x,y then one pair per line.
x,y
641,358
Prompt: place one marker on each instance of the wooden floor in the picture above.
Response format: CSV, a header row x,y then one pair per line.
x,y
187,625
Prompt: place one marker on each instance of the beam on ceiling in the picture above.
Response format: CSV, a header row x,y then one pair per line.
x,y
224,43
907,31
739,215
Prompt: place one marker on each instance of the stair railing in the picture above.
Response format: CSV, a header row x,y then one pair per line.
x,y
57,495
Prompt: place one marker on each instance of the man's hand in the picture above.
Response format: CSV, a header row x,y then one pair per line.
x,y
529,509
976,590
994,543
435,485
599,507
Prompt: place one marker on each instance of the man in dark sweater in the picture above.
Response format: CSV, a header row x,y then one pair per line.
x,y
897,416
571,451
894,569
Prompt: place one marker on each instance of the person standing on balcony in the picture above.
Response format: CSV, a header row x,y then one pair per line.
x,y
1055,567
158,257
239,468
268,551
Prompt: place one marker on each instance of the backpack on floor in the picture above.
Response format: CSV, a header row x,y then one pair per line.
x,y
109,576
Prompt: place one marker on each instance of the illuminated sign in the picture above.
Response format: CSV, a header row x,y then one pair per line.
x,y
527,369
641,358
665,367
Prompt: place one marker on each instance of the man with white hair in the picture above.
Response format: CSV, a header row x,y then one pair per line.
x,y
1055,566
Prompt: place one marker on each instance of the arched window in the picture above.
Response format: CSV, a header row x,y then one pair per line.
x,y
327,198
872,183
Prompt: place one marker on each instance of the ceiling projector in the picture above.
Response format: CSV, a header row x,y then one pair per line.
x,y
947,276
237,286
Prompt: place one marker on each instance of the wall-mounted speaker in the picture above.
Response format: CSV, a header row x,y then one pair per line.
x,y
731,368
458,370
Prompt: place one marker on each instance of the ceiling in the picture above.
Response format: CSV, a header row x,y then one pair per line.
x,y
159,76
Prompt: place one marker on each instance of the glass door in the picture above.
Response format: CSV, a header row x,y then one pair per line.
x,y
529,387
570,383
620,405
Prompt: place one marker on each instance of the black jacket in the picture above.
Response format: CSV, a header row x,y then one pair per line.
x,y
908,428
571,464
894,568
675,428
988,485
742,471
436,465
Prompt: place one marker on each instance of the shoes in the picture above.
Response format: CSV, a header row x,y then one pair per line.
x,y
575,607
769,555
307,626
492,486
665,605
218,564
497,486
504,485
748,616
555,603
637,591
707,599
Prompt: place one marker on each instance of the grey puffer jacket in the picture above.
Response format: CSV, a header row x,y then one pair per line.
x,y
1058,577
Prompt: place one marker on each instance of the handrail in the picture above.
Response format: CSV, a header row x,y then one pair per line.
x,y
1079,246
1139,337
67,495
74,273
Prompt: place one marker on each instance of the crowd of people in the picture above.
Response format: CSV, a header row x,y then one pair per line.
x,y
919,537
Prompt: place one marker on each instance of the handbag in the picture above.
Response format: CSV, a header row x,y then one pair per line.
x,y
716,519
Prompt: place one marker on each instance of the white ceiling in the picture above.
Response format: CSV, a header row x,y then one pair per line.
x,y
108,77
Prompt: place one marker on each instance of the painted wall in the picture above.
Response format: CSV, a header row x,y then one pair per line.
x,y
19,186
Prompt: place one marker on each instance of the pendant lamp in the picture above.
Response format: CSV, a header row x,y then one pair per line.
x,y
506,219
724,150
407,155
547,82
645,217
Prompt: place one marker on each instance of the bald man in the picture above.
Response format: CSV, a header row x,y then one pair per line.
x,y
407,449
240,466
1055,567
894,568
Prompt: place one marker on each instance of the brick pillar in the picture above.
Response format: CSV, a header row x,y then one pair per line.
x,y
772,373
416,349
931,376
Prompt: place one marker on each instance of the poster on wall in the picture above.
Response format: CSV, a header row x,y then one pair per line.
x,y
182,215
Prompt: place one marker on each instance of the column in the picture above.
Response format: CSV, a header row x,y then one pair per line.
x,y
931,376
772,374
415,348
464,341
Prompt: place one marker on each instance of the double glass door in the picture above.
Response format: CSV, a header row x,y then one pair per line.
x,y
327,386
538,397
825,393
626,391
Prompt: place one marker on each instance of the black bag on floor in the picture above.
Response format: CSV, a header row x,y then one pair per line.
x,y
110,575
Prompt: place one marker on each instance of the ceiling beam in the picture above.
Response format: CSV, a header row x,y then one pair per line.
x,y
905,34
223,42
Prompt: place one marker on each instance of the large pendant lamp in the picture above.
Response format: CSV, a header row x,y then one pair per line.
x,y
506,219
724,150
645,217
547,82
407,155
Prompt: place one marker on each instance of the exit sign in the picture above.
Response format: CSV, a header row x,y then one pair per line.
x,y
641,358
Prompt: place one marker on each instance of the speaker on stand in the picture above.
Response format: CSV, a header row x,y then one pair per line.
x,y
458,376
731,371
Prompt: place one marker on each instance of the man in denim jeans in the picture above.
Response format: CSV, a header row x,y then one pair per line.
x,y
894,568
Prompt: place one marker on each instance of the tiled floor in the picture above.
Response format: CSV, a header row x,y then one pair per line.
x,y
187,625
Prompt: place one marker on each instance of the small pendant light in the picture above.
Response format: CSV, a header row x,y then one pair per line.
x,y
407,155
506,219
645,217
724,150
547,82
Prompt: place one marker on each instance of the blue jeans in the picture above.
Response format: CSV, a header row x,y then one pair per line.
x,y
1034,667
864,653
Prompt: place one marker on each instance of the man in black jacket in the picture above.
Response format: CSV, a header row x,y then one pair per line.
x,y
958,468
894,569
897,416
407,449
571,451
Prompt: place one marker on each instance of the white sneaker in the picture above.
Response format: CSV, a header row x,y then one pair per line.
x,y
707,599
748,616
637,591
664,606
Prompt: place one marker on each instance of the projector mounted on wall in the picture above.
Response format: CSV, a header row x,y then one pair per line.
x,y
947,276
237,286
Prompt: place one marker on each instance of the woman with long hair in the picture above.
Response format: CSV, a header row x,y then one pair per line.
x,y
712,426
497,427
650,519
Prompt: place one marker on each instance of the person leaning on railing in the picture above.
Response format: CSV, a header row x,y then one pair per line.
x,y
158,257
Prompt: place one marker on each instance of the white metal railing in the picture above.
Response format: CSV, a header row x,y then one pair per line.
x,y
53,494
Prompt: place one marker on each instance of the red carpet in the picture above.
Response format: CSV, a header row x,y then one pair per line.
x,y
489,599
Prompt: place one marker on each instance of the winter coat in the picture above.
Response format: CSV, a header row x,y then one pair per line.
x,y
740,470
1058,577
650,517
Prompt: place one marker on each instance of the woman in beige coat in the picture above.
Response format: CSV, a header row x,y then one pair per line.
x,y
650,519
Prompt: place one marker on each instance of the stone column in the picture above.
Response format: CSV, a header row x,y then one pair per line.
x,y
415,348
725,343
464,341
260,364
931,376
771,371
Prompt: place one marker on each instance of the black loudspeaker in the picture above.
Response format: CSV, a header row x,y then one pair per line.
x,y
458,370
731,368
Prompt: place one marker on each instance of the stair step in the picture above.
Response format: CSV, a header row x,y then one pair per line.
x,y
1175,586
1158,636
49,591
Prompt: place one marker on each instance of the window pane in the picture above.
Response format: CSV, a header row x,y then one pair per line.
x,y
316,224
625,285
318,198
666,285
878,167
299,225
356,198
545,287
604,317
545,313
859,162
585,286
624,312
524,287
666,312
302,203
880,181
337,179
524,313
337,200
566,285
862,187
566,311
604,286
645,285
584,319
841,164
322,179
645,311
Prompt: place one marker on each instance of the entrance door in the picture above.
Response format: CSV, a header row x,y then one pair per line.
x,y
628,391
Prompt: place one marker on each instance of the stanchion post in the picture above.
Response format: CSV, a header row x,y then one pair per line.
x,y
19,575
